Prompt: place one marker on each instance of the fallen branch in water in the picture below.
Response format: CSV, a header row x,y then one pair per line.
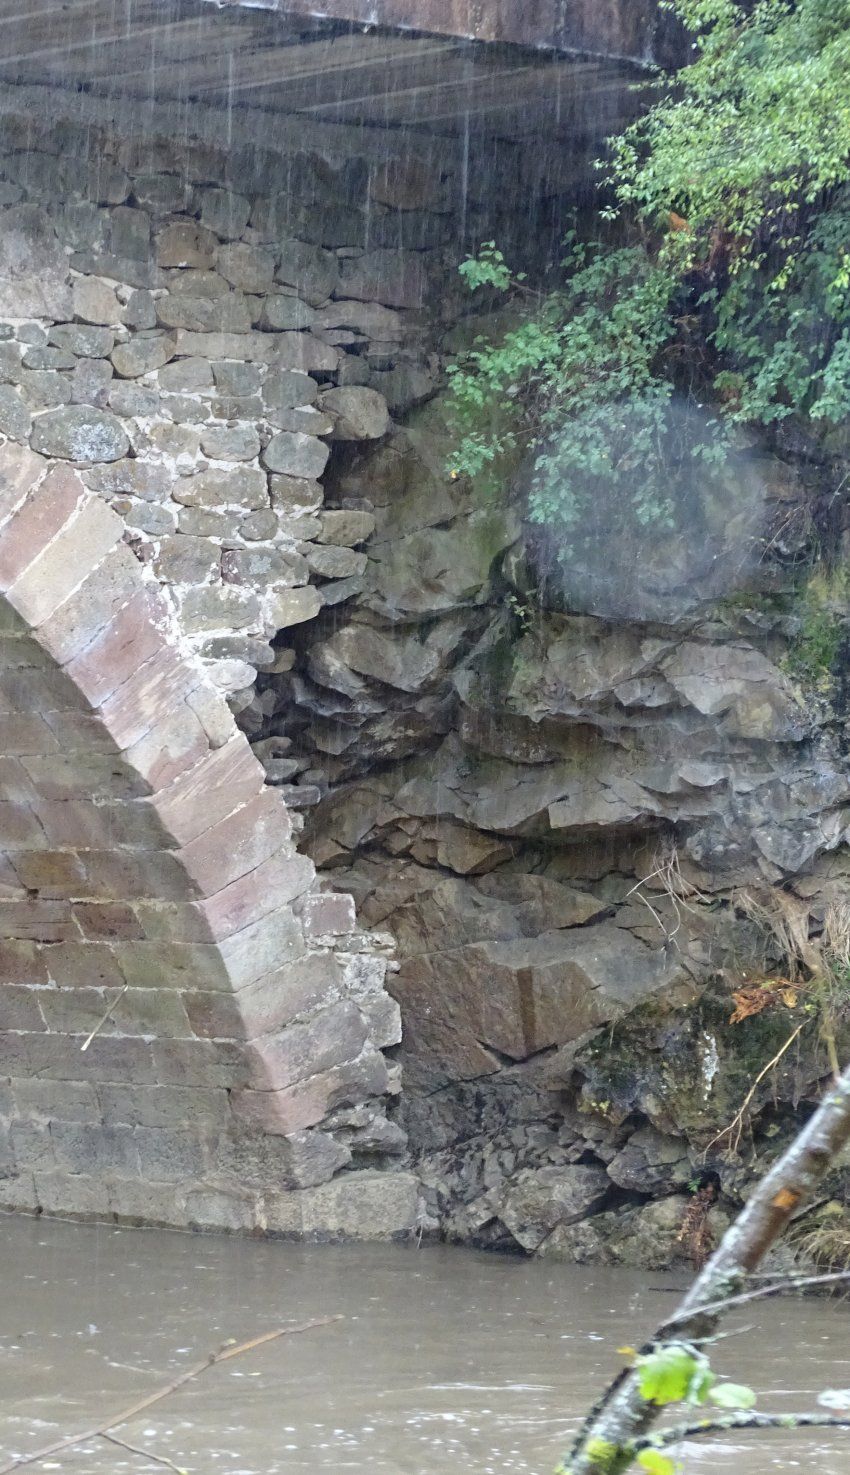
x,y
136,1449
749,1419
103,1430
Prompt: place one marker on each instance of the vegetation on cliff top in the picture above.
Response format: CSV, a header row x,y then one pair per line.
x,y
732,289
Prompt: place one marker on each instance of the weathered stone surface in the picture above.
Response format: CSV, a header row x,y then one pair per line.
x,y
396,278
538,1201
33,267
359,414
82,339
224,314
304,352
286,388
80,434
294,454
95,301
186,244
249,268
15,418
236,443
314,273
241,486
286,313
346,528
336,563
287,607
141,355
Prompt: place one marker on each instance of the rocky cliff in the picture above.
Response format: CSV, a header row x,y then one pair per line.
x,y
601,811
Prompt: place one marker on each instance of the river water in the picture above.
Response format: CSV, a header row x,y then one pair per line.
x,y
445,1360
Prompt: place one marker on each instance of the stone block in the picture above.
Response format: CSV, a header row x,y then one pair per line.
x,y
280,879
258,348
199,1063
167,1155
43,515
149,694
219,607
231,443
57,572
261,946
43,921
186,560
22,962
141,356
80,434
174,965
191,373
359,413
264,568
327,913
78,964
107,921
249,268
345,528
237,379
95,301
364,1205
79,1147
134,1202
130,233
60,1101
394,278
72,1195
313,272
241,486
213,1208
175,743
15,418
335,1036
328,562
185,244
205,314
286,389
285,607
237,844
304,352
75,622
130,639
204,795
223,211
81,339
19,1008
91,382
305,1104
163,1106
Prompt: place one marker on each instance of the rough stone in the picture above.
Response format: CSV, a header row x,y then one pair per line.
x,y
141,355
80,434
292,453
359,414
236,443
15,418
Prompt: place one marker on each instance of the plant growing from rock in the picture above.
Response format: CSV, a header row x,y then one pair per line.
x,y
734,287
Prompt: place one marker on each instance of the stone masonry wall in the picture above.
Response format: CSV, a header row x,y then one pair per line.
x,y
196,332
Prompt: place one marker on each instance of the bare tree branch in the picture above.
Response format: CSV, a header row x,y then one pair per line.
x,y
622,1416
103,1429
743,1419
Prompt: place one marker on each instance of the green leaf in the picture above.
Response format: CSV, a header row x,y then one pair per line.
x,y
732,1395
666,1376
655,1462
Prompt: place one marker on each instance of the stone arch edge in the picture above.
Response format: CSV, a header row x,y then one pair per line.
x,y
302,1017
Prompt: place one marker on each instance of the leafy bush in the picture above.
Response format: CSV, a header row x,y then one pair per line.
x,y
735,187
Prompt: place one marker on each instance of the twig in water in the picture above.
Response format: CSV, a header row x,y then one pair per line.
x,y
222,1355
135,1449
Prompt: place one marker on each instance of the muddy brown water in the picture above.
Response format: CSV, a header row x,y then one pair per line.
x,y
445,1361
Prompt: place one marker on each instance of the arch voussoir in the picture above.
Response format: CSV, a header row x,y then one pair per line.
x,y
170,1009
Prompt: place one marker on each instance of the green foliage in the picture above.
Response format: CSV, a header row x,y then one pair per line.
x,y
737,185
656,1462
812,655
732,1395
674,1373
582,382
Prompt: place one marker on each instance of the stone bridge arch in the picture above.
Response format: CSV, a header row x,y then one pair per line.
x,y
181,1009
